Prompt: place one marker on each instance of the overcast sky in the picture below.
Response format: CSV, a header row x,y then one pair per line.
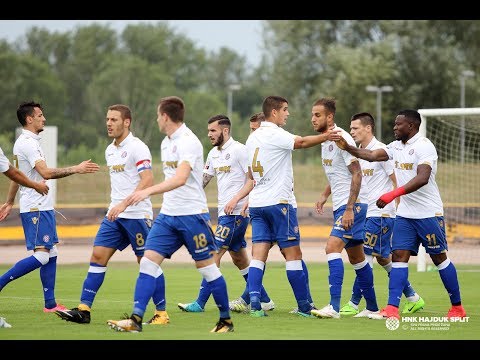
x,y
243,36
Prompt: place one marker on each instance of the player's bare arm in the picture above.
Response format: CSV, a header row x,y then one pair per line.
x,y
206,179
369,155
356,171
303,142
85,167
421,179
20,178
146,180
11,194
393,178
243,192
322,200
179,179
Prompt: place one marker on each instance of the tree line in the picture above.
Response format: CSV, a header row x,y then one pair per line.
x,y
77,74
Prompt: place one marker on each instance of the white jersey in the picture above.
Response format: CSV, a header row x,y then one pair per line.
x,y
228,164
26,153
125,162
189,199
335,162
426,201
376,182
4,163
270,160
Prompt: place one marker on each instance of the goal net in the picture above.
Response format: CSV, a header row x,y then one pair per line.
x,y
455,132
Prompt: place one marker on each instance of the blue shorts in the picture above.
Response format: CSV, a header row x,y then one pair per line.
x,y
169,233
230,232
40,229
294,230
378,236
120,233
355,235
409,233
272,224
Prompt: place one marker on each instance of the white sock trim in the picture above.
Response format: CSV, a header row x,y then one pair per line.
x,y
294,265
210,272
257,264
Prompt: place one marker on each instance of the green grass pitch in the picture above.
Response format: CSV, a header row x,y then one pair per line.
x,y
21,303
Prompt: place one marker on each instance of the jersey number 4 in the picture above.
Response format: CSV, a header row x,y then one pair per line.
x,y
256,166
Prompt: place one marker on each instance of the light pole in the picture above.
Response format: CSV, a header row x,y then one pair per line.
x,y
231,89
463,76
379,90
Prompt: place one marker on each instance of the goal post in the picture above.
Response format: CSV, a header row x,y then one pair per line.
x,y
455,132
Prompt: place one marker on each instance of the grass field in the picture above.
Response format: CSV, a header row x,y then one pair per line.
x,y
21,303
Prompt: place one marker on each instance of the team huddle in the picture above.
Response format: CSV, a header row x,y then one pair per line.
x,y
385,200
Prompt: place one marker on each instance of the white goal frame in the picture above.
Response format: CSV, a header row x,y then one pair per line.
x,y
425,113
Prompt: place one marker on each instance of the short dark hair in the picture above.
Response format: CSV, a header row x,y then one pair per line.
x,y
272,102
124,110
328,103
412,115
222,120
257,117
174,107
26,108
365,119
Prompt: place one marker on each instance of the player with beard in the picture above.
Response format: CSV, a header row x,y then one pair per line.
x,y
227,160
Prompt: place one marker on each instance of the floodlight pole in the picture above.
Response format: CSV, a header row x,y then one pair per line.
x,y
463,76
231,89
379,90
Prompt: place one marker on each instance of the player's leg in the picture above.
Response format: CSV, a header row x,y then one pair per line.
x,y
198,237
435,227
294,231
162,241
404,242
34,228
364,277
48,275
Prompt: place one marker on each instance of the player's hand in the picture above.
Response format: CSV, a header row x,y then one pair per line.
x,y
137,196
230,206
5,210
87,166
347,219
116,211
319,205
381,204
342,143
42,187
244,211
334,134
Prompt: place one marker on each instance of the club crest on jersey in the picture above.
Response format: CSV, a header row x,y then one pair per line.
x,y
34,220
358,208
284,211
46,238
174,149
330,147
227,156
124,155
411,152
384,229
